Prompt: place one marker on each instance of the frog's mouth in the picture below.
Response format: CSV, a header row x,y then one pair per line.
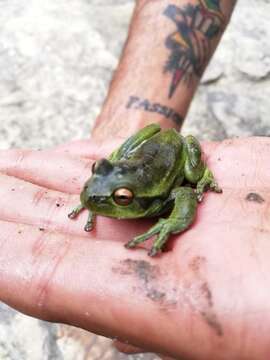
x,y
105,206
98,204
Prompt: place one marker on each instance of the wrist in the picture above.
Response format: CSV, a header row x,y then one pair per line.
x,y
161,65
122,117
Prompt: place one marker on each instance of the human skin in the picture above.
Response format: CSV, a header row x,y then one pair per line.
x,y
207,297
161,38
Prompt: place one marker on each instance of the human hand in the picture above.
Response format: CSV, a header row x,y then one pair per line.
x,y
205,298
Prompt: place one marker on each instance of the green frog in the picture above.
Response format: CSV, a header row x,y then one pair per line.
x,y
155,172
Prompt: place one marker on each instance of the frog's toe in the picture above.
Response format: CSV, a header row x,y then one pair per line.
x,y
88,227
75,212
130,245
214,187
153,252
72,214
199,196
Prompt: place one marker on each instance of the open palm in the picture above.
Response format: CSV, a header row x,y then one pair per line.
x,y
206,297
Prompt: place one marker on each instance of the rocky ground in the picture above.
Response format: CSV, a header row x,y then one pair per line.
x,y
56,60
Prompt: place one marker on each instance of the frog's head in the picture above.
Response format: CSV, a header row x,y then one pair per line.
x,y
113,191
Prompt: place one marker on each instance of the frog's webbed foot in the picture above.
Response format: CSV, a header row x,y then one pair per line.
x,y
162,228
207,182
90,221
180,219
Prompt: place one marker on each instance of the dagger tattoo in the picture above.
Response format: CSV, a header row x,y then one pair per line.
x,y
190,45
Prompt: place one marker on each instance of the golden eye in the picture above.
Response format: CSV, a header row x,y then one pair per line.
x,y
94,167
123,196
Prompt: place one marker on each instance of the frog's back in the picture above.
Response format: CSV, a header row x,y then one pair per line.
x,y
159,161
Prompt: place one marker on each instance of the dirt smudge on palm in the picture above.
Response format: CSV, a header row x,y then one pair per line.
x,y
211,319
203,293
254,197
150,277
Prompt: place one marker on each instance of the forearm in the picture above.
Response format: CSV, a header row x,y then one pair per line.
x,y
168,47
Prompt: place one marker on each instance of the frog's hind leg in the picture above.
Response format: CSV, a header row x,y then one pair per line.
x,y
182,216
196,172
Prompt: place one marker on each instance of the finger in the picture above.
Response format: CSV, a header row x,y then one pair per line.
x,y
235,163
32,204
243,159
96,150
47,209
56,171
89,148
127,348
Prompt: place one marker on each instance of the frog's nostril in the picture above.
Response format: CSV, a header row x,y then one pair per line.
x,y
98,199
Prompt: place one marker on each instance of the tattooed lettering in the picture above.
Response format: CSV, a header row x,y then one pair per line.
x,y
190,44
136,103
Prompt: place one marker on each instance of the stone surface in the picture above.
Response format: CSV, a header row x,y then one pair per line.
x,y
56,60
25,338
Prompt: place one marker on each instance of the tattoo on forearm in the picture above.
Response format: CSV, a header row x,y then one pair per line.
x,y
136,103
190,45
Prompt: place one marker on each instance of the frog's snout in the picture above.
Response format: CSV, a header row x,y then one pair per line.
x,y
97,199
89,199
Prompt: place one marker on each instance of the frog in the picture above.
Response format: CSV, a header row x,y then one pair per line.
x,y
154,173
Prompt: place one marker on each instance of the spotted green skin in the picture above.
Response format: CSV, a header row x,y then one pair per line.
x,y
154,165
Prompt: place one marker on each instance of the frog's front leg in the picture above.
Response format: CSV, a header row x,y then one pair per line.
x,y
90,220
196,171
75,212
181,217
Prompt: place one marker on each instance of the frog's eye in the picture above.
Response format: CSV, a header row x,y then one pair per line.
x,y
123,196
